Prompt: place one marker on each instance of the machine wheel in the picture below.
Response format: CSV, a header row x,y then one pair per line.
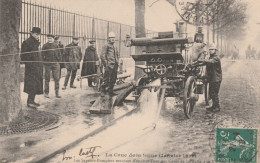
x,y
206,93
189,98
120,98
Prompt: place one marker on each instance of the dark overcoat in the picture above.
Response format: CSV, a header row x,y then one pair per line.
x,y
33,76
73,55
89,66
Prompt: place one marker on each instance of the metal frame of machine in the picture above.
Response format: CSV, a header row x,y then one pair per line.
x,y
166,58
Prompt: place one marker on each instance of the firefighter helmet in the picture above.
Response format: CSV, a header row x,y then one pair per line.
x,y
111,34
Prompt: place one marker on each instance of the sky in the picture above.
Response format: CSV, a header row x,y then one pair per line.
x,y
160,15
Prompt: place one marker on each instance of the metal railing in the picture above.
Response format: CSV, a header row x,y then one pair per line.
x,y
66,24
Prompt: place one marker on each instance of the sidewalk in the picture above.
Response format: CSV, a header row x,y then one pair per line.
x,y
74,123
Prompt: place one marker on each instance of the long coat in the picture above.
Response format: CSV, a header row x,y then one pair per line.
x,y
33,76
72,54
89,68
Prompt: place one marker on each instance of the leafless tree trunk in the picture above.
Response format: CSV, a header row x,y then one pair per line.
x,y
140,18
10,102
139,31
213,33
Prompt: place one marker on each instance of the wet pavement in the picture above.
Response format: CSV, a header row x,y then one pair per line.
x,y
74,123
176,138
134,138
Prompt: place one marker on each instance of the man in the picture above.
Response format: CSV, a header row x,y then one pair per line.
x,y
73,55
90,62
214,76
61,49
51,59
109,58
33,75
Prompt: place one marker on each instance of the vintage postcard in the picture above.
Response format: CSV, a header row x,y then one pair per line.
x,y
130,81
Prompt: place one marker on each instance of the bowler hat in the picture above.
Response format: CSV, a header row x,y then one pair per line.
x,y
75,38
36,30
92,41
50,35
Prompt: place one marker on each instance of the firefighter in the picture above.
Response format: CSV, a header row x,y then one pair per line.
x,y
33,75
52,56
214,76
73,56
109,59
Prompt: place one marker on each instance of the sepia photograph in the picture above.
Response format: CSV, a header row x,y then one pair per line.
x,y
129,81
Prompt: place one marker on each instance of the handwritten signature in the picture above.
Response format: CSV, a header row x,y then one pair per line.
x,y
88,152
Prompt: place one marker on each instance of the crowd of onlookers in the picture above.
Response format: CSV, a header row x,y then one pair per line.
x,y
54,56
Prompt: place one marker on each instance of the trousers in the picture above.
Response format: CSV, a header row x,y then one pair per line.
x,y
30,99
213,93
70,73
110,76
55,68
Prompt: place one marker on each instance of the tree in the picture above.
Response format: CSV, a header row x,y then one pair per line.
x,y
139,31
230,19
140,18
10,102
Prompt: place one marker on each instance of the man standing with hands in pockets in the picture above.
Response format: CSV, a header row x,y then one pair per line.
x,y
73,57
51,57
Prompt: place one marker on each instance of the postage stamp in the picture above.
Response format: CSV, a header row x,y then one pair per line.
x,y
236,145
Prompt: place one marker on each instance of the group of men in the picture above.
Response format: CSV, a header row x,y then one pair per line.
x,y
54,57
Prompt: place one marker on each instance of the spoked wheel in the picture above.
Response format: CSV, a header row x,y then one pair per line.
x,y
206,93
190,96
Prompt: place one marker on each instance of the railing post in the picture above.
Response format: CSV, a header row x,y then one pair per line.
x,y
107,28
49,20
74,25
120,40
93,28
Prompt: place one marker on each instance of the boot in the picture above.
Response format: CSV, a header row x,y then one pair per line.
x,y
36,104
33,106
103,91
72,86
210,108
217,109
111,92
57,94
46,95
64,87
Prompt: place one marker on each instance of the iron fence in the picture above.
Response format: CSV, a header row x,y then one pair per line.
x,y
67,24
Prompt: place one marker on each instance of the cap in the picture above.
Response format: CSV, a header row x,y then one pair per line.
x,y
36,30
92,41
50,35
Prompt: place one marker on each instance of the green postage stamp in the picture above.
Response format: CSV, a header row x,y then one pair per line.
x,y
236,145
